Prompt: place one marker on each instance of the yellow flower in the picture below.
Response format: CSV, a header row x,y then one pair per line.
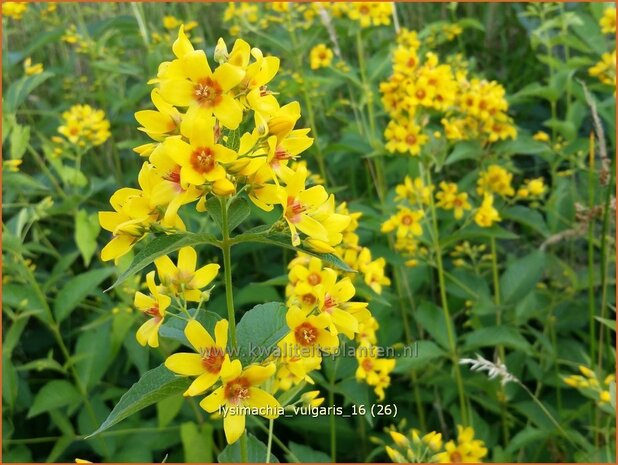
x,y
334,300
239,391
371,13
171,22
404,138
532,188
31,69
450,199
320,56
487,215
541,136
608,21
202,159
11,165
604,397
414,191
84,125
193,84
495,180
451,31
299,204
14,10
406,222
465,450
373,370
207,362
183,279
154,306
605,69
311,398
164,120
308,334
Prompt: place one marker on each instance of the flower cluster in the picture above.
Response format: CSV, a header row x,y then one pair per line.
x,y
14,10
217,132
414,200
430,448
421,87
591,386
605,69
320,308
85,126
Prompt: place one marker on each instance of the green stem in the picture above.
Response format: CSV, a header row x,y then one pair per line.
x,y
591,299
269,445
226,246
447,315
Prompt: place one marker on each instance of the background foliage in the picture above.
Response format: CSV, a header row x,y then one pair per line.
x,y
68,348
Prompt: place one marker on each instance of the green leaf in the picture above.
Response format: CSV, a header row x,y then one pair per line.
x,y
496,335
167,409
528,217
523,145
55,394
283,240
156,384
425,352
95,354
86,231
19,90
306,454
197,442
20,136
467,150
259,330
77,289
238,210
256,452
474,231
431,317
521,276
162,245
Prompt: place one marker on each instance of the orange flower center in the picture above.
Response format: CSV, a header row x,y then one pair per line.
x,y
329,303
153,311
367,364
456,457
314,279
212,359
237,390
295,208
411,139
420,94
208,92
306,334
407,220
203,160
308,299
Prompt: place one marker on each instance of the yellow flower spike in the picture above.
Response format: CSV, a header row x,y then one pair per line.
x,y
207,362
238,393
153,305
495,180
608,21
183,279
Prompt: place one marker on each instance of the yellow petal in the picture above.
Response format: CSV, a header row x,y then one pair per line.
x,y
202,130
117,247
143,302
155,122
264,401
312,228
144,332
204,276
228,76
178,92
165,268
201,383
294,317
195,65
229,112
221,333
234,426
185,364
198,336
215,400
230,369
187,261
257,374
178,150
182,45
